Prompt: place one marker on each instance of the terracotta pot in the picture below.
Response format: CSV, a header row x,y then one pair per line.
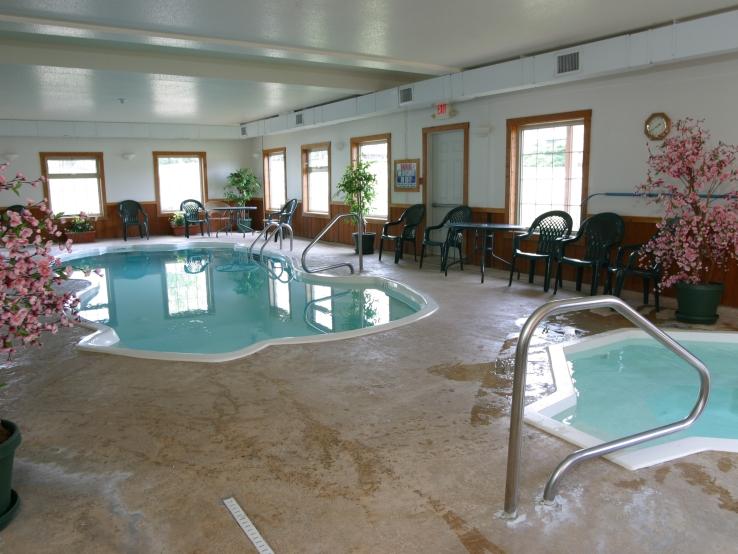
x,y
79,238
178,230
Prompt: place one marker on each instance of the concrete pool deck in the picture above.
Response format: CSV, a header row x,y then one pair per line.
x,y
391,442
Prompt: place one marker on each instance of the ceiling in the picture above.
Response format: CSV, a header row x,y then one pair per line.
x,y
227,61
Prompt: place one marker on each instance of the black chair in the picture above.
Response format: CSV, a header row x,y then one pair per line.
x,y
459,214
549,227
630,261
282,216
131,213
411,218
194,213
17,208
600,233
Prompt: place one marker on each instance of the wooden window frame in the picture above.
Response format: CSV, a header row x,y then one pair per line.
x,y
98,156
305,153
356,142
267,186
512,149
180,154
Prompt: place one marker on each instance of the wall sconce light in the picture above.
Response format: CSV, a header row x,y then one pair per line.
x,y
340,145
11,157
128,156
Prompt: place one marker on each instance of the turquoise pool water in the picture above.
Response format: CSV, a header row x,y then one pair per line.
x,y
216,300
634,385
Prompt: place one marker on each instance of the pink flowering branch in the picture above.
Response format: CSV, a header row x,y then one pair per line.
x,y
698,234
30,275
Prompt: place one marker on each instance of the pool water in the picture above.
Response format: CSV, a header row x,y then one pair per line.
x,y
216,300
636,384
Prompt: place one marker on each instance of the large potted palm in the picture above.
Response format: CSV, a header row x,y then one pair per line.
x,y
357,186
695,183
241,187
32,303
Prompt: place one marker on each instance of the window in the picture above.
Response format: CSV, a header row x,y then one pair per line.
x,y
375,150
187,294
320,306
275,178
75,182
548,165
179,176
316,178
279,292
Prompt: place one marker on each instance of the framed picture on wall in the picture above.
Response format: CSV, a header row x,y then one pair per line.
x,y
407,175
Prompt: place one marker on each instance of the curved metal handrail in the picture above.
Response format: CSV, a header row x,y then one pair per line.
x,y
280,229
266,228
312,305
316,239
518,397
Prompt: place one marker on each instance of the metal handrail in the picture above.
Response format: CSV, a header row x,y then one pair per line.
x,y
268,226
320,235
518,397
281,227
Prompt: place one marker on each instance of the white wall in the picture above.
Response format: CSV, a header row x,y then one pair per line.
x,y
124,179
618,152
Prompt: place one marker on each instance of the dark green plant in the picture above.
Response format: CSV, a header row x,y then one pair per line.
x,y
357,185
177,219
80,224
242,186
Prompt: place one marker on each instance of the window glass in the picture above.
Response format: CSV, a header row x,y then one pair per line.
x,y
377,154
277,180
180,177
317,181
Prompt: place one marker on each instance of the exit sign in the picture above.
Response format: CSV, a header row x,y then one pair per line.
x,y
443,111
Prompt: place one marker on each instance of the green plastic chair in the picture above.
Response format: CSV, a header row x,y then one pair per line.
x,y
411,218
194,213
131,213
459,214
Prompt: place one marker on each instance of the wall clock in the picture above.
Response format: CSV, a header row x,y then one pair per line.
x,y
657,126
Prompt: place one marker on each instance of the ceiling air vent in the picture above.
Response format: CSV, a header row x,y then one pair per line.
x,y
244,132
567,63
298,119
406,95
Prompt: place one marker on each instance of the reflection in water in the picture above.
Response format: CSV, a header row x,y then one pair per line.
x,y
210,300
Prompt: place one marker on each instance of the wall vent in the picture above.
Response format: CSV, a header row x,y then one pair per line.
x,y
406,95
298,119
567,63
244,131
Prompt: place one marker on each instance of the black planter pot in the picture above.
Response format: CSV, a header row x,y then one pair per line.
x,y
698,303
367,242
9,501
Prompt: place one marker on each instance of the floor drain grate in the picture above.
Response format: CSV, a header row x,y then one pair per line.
x,y
248,527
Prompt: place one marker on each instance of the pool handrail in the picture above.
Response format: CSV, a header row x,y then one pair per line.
x,y
518,396
320,236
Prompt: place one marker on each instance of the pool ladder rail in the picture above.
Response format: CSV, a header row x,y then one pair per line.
x,y
518,397
320,236
278,228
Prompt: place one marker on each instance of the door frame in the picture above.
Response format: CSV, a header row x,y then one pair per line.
x,y
440,129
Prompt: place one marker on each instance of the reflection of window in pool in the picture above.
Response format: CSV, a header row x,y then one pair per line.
x,y
98,308
376,307
187,293
279,293
321,312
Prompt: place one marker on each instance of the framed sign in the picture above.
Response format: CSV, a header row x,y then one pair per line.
x,y
406,175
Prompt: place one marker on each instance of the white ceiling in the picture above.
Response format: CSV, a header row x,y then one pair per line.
x,y
228,61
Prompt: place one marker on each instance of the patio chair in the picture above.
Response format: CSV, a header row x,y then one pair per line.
x,y
17,208
194,213
219,218
600,233
131,213
459,214
411,218
549,227
282,216
630,262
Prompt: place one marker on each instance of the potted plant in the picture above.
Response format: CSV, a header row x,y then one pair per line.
x,y
357,186
32,304
176,222
696,185
80,229
242,186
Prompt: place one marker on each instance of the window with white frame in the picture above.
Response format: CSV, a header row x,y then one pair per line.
x,y
275,177
550,165
376,151
75,182
316,178
179,176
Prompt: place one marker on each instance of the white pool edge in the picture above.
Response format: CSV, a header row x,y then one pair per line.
x,y
104,338
539,413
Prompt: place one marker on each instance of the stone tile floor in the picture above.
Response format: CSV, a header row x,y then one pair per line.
x,y
390,442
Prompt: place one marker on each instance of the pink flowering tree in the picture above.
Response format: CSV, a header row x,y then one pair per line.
x,y
695,183
30,275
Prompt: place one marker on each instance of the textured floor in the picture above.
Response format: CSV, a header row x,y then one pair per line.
x,y
391,442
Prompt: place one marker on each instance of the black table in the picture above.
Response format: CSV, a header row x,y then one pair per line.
x,y
489,230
